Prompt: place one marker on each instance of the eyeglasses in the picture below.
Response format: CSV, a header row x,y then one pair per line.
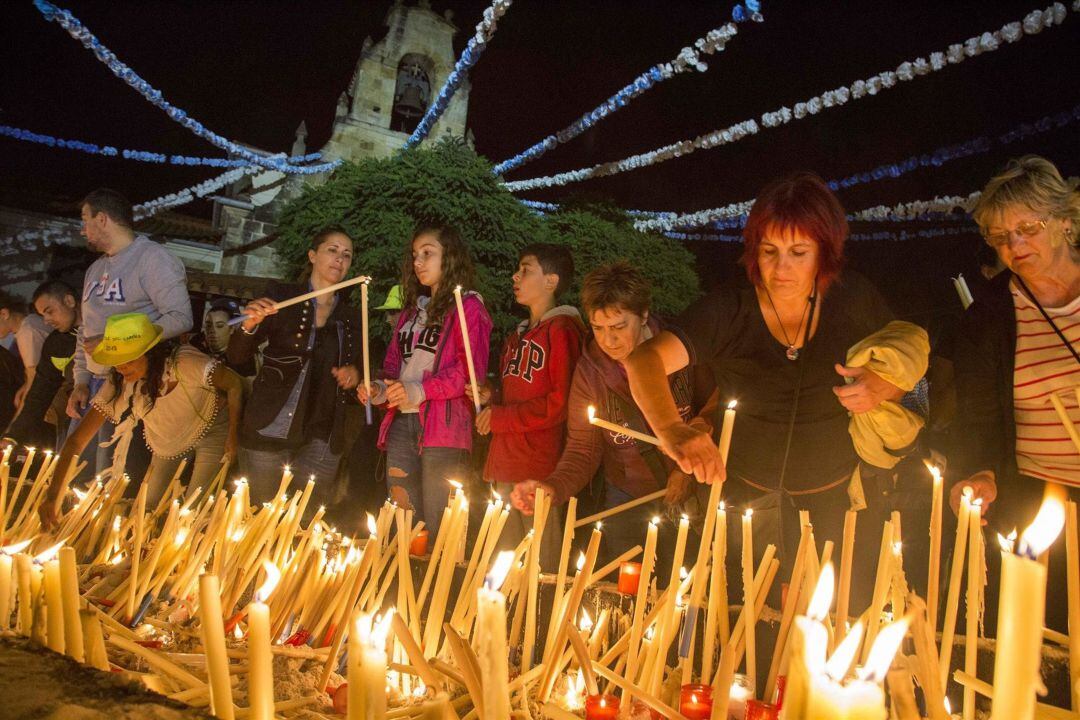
x,y
1028,228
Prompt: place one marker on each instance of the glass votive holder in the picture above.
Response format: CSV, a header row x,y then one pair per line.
x,y
629,577
758,710
781,686
742,691
695,701
601,707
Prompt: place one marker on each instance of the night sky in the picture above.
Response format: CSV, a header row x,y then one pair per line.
x,y
252,71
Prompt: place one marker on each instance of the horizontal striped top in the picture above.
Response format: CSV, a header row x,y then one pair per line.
x,y
1044,366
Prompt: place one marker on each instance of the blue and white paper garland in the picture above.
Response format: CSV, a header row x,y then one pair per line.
x,y
1033,23
689,58
484,31
78,31
139,155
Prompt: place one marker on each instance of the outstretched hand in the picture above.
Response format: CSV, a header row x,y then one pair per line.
x,y
866,391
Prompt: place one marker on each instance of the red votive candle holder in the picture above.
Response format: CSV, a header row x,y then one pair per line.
x,y
418,546
781,686
758,710
601,707
695,701
629,577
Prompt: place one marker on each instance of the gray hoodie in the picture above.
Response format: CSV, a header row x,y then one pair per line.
x,y
143,277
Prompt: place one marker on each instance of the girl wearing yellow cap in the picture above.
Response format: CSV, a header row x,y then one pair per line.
x,y
189,403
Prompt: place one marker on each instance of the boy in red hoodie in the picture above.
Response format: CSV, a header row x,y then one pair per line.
x,y
527,420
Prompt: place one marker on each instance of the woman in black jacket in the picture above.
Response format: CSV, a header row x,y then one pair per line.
x,y
296,413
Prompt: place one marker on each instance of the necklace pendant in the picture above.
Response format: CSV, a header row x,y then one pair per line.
x,y
792,352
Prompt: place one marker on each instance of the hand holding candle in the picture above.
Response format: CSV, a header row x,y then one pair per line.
x,y
468,348
598,422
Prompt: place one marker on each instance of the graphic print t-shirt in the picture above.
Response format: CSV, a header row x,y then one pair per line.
x,y
417,342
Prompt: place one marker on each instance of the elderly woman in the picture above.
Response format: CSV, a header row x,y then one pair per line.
x,y
779,341
1018,345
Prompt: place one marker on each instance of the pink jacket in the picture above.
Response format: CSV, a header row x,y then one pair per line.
x,y
446,415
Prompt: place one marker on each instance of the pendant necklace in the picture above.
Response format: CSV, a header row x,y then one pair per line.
x,y
792,351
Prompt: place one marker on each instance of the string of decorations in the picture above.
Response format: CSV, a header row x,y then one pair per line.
x,y
81,33
190,194
898,236
725,217
689,58
139,155
484,32
1033,23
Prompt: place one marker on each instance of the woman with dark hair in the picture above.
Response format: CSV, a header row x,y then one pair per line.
x,y
189,405
427,430
780,341
216,331
296,414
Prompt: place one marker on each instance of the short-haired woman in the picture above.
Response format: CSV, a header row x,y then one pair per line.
x,y
777,340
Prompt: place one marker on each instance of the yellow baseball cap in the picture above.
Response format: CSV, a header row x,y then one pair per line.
x,y
127,337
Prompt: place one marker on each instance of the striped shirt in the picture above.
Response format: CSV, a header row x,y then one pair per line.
x,y
1044,366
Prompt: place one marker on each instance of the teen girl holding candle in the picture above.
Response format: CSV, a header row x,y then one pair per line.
x,y
296,413
427,430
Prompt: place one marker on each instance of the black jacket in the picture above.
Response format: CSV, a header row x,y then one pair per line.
x,y
290,336
984,433
29,426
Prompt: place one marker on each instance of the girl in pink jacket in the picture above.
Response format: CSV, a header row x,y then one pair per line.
x,y
427,430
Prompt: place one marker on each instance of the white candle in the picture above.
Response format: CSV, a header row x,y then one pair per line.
x,y
962,290
934,570
491,639
725,431
367,668
23,571
54,606
620,429
260,659
748,595
213,637
468,347
1022,606
69,593
5,591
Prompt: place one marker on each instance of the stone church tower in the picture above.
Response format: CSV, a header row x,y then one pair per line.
x,y
395,81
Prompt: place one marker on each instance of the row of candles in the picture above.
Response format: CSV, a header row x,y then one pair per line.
x,y
352,584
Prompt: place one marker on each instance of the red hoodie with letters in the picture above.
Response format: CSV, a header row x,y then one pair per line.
x,y
528,422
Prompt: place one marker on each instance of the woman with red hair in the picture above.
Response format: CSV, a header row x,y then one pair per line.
x,y
777,340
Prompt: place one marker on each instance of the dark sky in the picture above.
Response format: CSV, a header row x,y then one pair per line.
x,y
253,70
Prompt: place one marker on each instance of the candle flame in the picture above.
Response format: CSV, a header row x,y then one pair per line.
x,y
1007,542
838,665
499,571
237,632
181,536
693,699
116,522
683,573
1044,529
457,289
575,689
749,513
16,547
884,650
592,414
599,524
48,554
650,632
580,561
496,496
454,484
948,707
731,405
118,559
420,690
722,507
821,600
897,547
586,622
80,494
371,526
655,520
273,575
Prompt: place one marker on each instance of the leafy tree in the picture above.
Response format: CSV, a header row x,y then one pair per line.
x,y
379,201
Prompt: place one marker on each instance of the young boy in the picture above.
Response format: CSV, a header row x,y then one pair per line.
x,y
527,421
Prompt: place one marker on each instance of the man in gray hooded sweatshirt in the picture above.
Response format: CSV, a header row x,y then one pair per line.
x,y
134,274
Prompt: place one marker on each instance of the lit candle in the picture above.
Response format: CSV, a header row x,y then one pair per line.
x,y
491,639
633,651
601,707
69,597
634,434
468,348
952,601
260,660
741,691
418,545
1072,572
365,349
213,637
726,430
6,579
629,577
695,701
847,548
23,577
974,604
1022,606
54,604
367,667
